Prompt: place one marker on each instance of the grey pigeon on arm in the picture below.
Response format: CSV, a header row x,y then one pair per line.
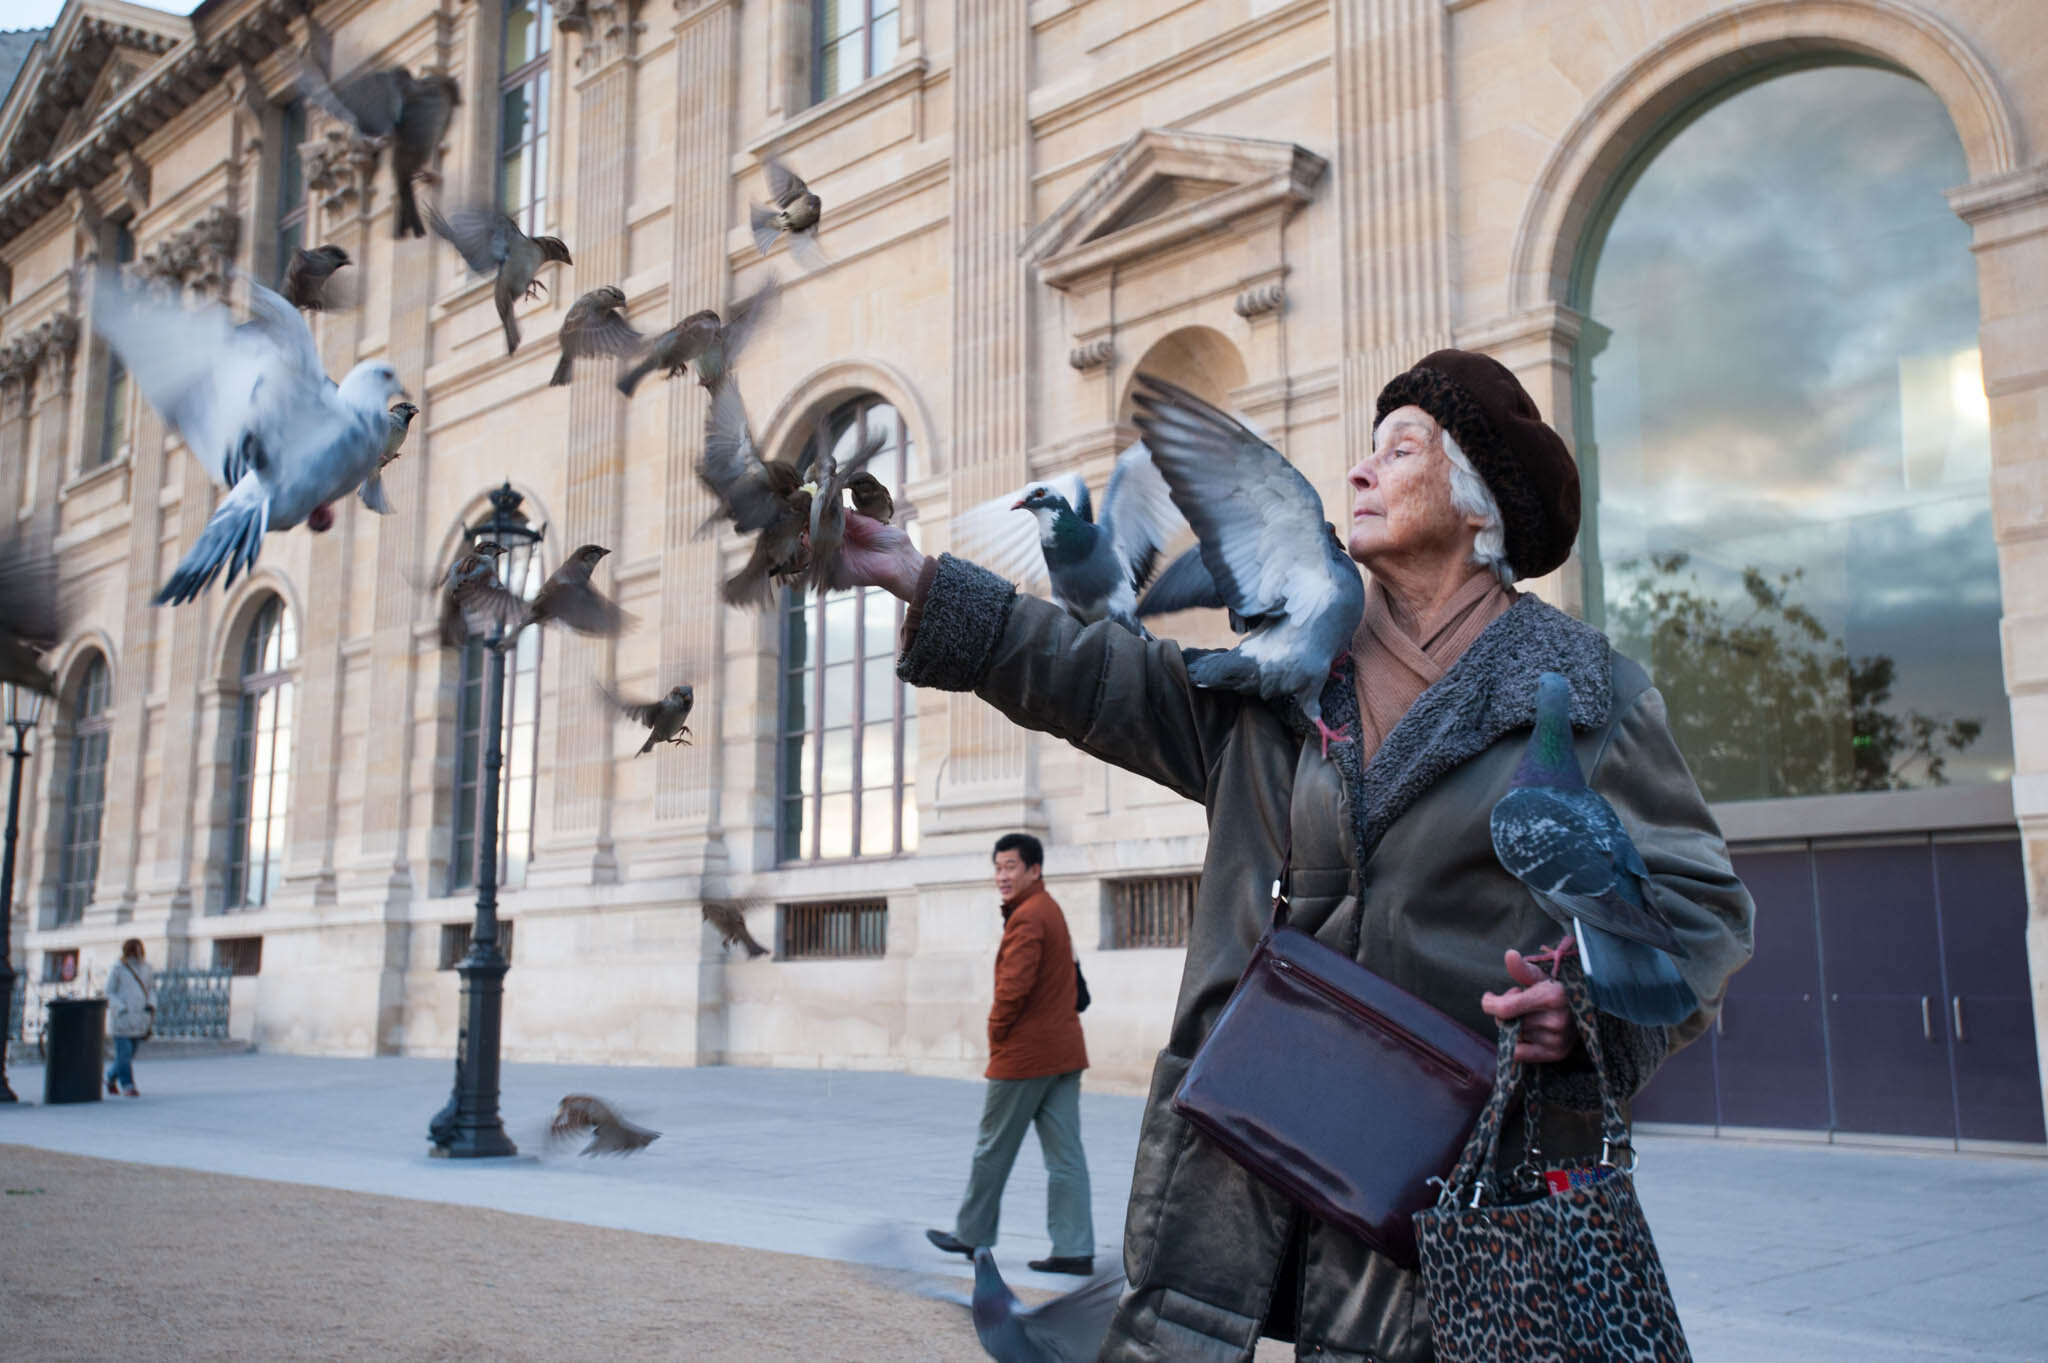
x,y
703,338
409,112
1275,561
29,618
491,243
610,1134
308,282
665,719
731,921
1561,838
256,409
594,326
795,215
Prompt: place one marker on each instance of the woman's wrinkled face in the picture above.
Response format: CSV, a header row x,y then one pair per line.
x,y
1401,494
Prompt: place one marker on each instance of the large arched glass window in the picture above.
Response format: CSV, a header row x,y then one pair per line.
x,y
1783,431
263,756
85,790
848,750
522,751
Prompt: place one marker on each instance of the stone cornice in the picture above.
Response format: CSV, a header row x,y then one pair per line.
x,y
2008,193
610,29
55,337
340,167
200,255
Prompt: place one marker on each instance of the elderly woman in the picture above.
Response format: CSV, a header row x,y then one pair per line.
x,y
1465,490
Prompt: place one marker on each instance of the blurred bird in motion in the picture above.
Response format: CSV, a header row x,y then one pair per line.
x,y
830,479
795,215
29,619
472,600
397,422
731,921
491,243
1068,1328
568,598
664,718
392,106
610,1134
594,326
765,498
308,282
706,340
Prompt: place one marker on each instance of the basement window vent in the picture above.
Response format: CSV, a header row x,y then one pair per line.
x,y
455,942
1152,912
238,955
835,930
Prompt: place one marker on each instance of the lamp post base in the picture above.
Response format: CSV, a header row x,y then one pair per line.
x,y
469,1127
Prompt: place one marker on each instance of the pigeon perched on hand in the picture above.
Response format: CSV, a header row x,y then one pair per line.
x,y
713,344
308,282
397,422
594,327
568,598
1561,838
411,112
795,215
664,718
765,498
610,1134
256,409
731,922
1276,562
830,477
1092,569
491,243
29,618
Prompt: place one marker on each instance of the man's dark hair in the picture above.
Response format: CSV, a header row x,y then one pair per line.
x,y
1027,848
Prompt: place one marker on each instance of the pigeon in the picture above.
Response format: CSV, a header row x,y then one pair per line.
x,y
256,409
610,1134
795,215
472,599
409,112
568,598
1093,569
1561,838
29,618
1065,1329
397,422
308,278
594,327
766,498
1277,563
491,243
830,475
1185,584
713,344
731,921
664,718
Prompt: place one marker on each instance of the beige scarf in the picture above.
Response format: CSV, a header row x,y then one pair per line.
x,y
1393,669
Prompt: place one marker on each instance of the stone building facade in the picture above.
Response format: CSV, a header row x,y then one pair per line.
x,y
1280,203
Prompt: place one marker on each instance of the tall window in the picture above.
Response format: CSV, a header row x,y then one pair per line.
x,y
523,110
85,791
114,395
1783,432
849,727
291,182
851,41
263,756
522,751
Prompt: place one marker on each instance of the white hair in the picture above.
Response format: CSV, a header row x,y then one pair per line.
x,y
1471,497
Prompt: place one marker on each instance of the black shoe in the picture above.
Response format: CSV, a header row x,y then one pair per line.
x,y
951,1244
1080,1265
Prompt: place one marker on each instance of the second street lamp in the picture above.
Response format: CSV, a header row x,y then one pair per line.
x,y
469,1127
22,708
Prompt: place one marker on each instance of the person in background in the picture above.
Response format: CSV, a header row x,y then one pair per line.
x,y
131,1013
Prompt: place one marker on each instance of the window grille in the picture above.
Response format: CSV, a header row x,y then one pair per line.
x,y
855,928
455,942
238,955
1153,912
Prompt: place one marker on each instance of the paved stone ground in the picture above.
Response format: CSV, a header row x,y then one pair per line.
x,y
1775,1251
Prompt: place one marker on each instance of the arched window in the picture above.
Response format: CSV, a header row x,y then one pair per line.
x,y
848,746
1783,432
85,790
522,751
263,756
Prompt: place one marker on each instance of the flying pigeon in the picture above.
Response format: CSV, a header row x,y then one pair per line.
x,y
594,327
411,112
1563,840
713,344
664,718
491,243
610,1134
1093,569
766,498
731,922
1276,562
830,477
568,598
308,282
29,618
397,422
795,215
256,409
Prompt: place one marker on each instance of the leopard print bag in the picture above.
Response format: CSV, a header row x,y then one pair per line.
x,y
1530,1273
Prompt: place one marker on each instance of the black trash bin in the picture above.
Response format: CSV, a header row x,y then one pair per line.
x,y
75,1038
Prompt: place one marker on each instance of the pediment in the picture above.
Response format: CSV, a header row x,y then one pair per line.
x,y
1161,188
94,51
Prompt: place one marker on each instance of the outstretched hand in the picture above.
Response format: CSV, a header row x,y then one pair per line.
x,y
878,554
1538,1000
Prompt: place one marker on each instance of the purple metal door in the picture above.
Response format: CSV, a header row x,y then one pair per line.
x,y
1772,1049
1990,1014
1881,963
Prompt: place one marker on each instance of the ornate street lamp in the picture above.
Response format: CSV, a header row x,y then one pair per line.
x,y
21,708
469,1126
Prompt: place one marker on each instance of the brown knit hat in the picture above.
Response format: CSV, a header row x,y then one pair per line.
x,y
1523,462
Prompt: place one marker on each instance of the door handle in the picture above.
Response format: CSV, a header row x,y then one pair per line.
x,y
1956,1010
1926,1019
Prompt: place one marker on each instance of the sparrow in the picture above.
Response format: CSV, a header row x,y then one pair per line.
x,y
1275,561
829,478
397,422
610,1134
731,921
308,278
765,498
795,214
663,718
411,112
472,598
257,410
29,619
871,497
594,327
568,598
713,344
491,243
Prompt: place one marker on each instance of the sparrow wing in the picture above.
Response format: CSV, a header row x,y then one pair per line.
x,y
481,238
784,185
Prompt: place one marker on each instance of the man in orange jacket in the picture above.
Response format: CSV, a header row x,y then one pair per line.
x,y
1035,1058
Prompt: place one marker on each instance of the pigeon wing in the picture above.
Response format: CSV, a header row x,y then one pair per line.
x,y
1557,843
1070,1328
1005,540
1184,585
1139,513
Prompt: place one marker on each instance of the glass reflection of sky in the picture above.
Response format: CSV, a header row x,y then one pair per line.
x,y
1784,375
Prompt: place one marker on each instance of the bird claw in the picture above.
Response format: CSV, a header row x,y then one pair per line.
x,y
1341,734
1556,956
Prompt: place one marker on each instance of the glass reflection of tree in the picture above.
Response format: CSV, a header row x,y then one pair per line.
x,y
1764,700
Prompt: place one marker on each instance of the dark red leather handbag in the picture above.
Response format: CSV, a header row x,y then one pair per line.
x,y
1343,1091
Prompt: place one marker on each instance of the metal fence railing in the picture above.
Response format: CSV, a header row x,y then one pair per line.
x,y
1152,912
192,1005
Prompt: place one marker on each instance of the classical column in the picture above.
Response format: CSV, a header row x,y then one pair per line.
x,y
593,509
1394,215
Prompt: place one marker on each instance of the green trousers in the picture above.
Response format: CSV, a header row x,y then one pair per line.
x,y
1053,1105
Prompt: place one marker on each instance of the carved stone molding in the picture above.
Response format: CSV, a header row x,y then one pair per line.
x,y
1267,298
1094,355
610,29
134,182
340,166
52,339
200,255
